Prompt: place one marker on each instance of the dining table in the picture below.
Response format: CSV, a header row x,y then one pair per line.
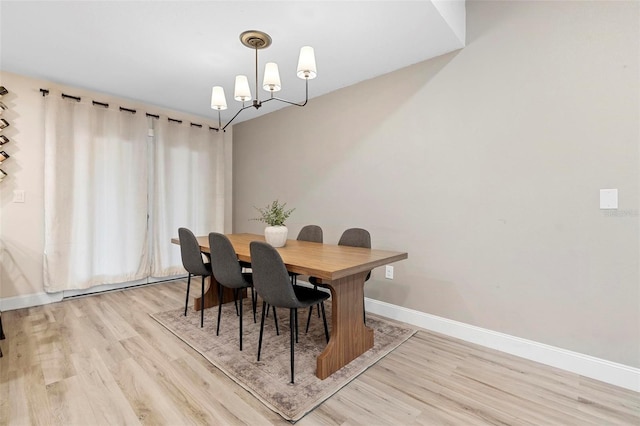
x,y
342,269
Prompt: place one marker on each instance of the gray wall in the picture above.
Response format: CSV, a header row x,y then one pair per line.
x,y
485,165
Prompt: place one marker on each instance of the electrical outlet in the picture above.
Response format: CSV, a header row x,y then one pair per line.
x,y
388,272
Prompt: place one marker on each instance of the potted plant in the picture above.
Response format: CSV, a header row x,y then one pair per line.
x,y
275,215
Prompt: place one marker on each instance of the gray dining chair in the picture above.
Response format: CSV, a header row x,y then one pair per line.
x,y
227,271
194,264
271,281
311,233
352,237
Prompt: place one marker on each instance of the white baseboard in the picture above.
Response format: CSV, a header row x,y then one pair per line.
x,y
29,300
37,299
112,287
585,365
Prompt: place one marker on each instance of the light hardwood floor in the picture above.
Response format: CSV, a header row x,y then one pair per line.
x,y
103,360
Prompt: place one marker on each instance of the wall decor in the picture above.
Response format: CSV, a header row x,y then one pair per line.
x,y
3,139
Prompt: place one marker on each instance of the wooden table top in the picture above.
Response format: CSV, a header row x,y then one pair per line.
x,y
326,261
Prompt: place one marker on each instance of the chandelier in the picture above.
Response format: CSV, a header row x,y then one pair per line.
x,y
258,40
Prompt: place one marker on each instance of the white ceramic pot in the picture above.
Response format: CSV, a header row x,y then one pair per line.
x,y
276,235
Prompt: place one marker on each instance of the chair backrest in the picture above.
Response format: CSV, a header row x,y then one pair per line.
x,y
270,276
356,237
191,254
224,262
311,233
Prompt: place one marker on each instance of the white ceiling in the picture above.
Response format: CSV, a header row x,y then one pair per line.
x,y
170,53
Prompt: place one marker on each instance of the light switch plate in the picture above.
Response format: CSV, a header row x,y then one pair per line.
x,y
18,195
608,199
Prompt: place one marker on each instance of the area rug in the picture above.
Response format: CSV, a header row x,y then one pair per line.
x,y
268,380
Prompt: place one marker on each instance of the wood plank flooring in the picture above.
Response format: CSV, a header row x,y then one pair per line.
x,y
102,360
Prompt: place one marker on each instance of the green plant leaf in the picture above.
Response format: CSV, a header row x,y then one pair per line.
x,y
274,214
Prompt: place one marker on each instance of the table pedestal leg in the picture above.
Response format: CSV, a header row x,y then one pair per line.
x,y
350,337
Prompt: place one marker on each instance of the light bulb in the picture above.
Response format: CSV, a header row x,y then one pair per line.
x,y
271,82
218,100
307,63
242,92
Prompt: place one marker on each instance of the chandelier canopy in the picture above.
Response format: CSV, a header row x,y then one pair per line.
x,y
258,40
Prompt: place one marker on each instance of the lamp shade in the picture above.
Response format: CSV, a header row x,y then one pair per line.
x,y
307,63
218,100
242,92
271,82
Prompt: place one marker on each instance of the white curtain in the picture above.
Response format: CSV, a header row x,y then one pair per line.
x,y
188,188
95,195
115,197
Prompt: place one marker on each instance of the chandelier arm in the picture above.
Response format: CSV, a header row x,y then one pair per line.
x,y
306,96
234,117
286,101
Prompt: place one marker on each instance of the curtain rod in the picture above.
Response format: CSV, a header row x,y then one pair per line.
x,y
75,98
45,92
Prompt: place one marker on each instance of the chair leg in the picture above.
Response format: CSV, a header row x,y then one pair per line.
x,y
295,312
202,305
275,318
308,319
291,321
235,301
240,326
315,287
186,302
220,291
264,308
254,302
324,320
